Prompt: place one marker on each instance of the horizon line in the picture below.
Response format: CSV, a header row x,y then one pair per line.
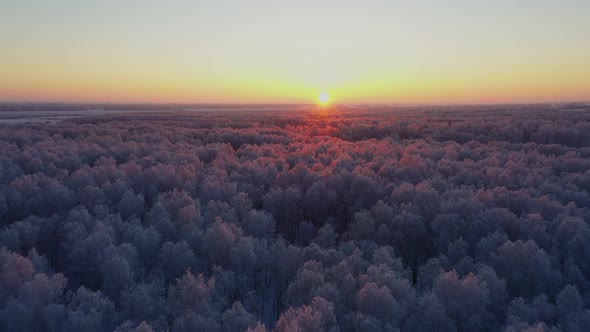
x,y
188,104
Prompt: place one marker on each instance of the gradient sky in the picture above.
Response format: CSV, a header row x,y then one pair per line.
x,y
289,51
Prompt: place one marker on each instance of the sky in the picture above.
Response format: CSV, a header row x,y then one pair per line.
x,y
290,51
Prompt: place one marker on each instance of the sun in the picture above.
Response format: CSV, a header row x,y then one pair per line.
x,y
324,98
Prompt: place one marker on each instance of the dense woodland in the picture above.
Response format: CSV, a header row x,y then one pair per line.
x,y
331,220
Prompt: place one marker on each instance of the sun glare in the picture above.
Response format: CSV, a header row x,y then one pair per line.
x,y
324,98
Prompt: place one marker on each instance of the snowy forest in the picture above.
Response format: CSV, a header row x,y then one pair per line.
x,y
342,219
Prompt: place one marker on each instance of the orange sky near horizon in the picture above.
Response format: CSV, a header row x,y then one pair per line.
x,y
249,52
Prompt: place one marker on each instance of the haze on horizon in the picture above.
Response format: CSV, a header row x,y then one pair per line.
x,y
263,52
